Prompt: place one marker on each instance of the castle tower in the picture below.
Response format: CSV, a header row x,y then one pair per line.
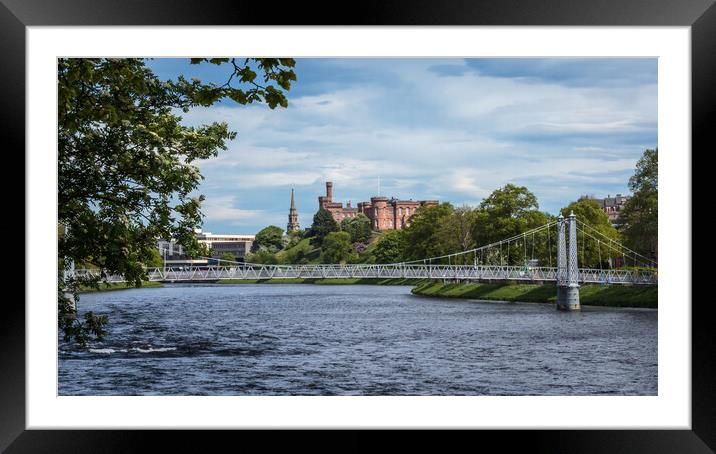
x,y
292,216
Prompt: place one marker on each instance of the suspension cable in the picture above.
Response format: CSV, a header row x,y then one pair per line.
x,y
611,240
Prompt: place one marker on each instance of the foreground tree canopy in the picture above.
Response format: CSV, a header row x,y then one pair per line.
x,y
126,173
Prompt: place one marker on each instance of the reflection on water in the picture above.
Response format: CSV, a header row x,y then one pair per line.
x,y
354,340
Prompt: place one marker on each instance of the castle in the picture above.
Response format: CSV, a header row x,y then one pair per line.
x,y
384,213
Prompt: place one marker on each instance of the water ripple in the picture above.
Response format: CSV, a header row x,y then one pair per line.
x,y
354,340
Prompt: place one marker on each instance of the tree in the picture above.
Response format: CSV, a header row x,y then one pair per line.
x,y
358,227
509,201
126,172
263,257
269,239
323,224
390,247
592,253
507,212
157,260
640,215
456,230
337,248
226,257
424,237
294,236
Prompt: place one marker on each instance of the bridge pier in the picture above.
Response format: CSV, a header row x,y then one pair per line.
x,y
567,267
568,299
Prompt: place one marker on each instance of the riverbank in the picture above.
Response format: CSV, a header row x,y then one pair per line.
x,y
641,296
118,286
329,281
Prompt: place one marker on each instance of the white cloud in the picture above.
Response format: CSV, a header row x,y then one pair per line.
x,y
277,179
426,135
222,208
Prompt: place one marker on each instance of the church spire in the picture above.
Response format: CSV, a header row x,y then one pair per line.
x,y
292,216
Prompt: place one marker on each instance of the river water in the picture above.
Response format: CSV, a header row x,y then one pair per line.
x,y
354,340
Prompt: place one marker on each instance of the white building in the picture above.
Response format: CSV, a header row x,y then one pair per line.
x,y
219,244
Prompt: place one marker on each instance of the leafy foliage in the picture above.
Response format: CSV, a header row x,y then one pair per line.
x,y
390,247
423,237
323,224
640,215
126,172
360,247
245,74
358,227
228,257
507,212
299,253
264,257
456,230
591,253
269,239
157,261
337,248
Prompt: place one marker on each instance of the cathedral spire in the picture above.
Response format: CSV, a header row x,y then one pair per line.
x,y
292,216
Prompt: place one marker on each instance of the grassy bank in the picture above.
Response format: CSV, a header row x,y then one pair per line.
x,y
329,281
117,286
589,295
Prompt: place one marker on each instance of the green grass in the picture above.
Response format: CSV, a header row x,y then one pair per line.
x,y
328,281
589,295
117,286
310,254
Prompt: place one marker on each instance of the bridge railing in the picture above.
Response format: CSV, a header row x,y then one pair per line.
x,y
417,271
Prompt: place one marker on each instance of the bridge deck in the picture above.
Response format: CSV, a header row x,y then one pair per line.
x,y
461,272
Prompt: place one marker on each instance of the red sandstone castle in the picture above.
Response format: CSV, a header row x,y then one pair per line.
x,y
384,213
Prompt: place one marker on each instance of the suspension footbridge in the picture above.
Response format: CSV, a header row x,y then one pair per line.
x,y
511,259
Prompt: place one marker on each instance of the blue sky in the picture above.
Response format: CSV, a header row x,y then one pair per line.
x,y
447,129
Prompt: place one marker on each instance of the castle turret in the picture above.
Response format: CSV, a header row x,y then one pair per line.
x,y
292,216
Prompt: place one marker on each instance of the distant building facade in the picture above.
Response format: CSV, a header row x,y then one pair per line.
x,y
384,213
612,206
220,244
173,255
237,245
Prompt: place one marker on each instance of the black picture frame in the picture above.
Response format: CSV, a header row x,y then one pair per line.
x,y
16,15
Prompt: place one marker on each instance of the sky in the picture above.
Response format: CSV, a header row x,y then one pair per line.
x,y
447,129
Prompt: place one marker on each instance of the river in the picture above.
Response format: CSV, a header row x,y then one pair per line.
x,y
354,340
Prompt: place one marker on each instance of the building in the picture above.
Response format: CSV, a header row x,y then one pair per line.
x,y
384,213
292,225
173,255
219,244
612,206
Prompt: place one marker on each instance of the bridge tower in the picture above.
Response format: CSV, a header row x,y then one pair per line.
x,y
567,266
